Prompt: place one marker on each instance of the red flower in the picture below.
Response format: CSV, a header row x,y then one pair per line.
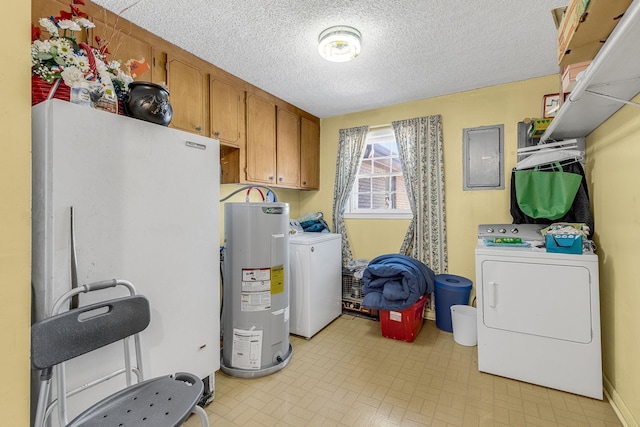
x,y
64,15
77,12
35,33
98,39
78,2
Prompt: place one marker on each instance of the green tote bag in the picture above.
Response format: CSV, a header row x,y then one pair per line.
x,y
546,194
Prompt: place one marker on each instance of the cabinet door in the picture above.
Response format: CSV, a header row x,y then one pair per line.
x,y
227,113
261,140
288,149
309,155
158,66
186,89
124,46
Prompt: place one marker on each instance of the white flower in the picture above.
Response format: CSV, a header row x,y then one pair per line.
x,y
64,48
40,46
85,23
56,43
49,26
82,62
73,77
71,59
67,24
124,78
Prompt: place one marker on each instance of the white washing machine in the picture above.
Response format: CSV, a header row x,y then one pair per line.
x,y
315,263
539,315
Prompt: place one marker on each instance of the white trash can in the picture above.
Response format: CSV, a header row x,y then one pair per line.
x,y
464,321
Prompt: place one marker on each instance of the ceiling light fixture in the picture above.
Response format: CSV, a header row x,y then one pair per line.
x,y
339,44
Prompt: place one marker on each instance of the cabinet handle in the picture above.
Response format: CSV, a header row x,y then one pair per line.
x,y
304,182
216,134
199,128
271,178
280,179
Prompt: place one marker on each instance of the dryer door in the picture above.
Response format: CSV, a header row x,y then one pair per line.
x,y
548,300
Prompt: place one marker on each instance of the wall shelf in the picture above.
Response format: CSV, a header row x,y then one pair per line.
x,y
614,72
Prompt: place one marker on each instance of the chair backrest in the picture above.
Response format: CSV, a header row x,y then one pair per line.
x,y
75,332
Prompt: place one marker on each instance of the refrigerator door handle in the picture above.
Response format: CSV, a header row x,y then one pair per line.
x,y
74,262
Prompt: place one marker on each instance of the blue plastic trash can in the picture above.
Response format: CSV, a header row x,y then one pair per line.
x,y
450,290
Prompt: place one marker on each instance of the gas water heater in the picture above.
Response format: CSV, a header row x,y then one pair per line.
x,y
255,311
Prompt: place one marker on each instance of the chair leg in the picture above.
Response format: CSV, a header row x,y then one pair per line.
x,y
43,398
202,414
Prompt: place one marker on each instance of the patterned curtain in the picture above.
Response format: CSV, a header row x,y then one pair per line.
x,y
350,146
420,148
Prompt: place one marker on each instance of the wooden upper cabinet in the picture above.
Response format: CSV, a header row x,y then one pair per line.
x,y
123,46
186,87
227,113
309,154
261,140
288,149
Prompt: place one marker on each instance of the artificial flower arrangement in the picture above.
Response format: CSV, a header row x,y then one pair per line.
x,y
91,78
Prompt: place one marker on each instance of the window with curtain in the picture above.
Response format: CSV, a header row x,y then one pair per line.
x,y
379,189
419,144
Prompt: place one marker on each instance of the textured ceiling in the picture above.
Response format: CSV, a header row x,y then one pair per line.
x,y
411,49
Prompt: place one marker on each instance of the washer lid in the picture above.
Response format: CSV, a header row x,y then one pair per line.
x,y
310,238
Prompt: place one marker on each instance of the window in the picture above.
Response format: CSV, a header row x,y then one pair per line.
x,y
379,190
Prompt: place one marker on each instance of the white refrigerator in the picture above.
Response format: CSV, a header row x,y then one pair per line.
x,y
145,201
315,264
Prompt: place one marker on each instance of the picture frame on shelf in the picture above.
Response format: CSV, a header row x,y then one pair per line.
x,y
550,105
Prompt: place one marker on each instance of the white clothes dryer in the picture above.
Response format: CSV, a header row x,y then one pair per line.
x,y
539,317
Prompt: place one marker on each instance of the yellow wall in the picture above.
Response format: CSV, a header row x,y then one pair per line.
x,y
613,152
505,104
613,170
15,216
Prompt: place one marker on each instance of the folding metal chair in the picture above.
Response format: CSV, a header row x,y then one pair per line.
x,y
162,401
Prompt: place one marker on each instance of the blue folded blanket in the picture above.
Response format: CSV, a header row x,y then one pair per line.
x,y
395,282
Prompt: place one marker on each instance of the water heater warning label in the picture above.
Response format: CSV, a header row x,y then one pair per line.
x,y
256,274
247,349
277,279
256,289
255,301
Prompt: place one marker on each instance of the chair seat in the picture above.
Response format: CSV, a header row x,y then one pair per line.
x,y
158,402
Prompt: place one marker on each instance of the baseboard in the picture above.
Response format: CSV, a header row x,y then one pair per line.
x,y
624,414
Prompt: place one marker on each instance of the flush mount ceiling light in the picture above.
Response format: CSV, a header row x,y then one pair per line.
x,y
339,44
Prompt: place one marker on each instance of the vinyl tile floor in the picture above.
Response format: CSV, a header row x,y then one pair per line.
x,y
350,375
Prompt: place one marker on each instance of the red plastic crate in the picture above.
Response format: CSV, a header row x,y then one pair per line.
x,y
403,325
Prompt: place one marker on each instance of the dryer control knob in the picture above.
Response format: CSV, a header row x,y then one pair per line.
x,y
502,230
